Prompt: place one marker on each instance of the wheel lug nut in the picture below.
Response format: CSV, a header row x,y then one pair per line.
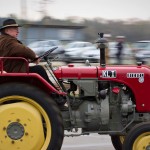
x,y
18,120
4,128
26,133
12,142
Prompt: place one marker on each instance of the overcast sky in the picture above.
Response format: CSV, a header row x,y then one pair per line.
x,y
107,9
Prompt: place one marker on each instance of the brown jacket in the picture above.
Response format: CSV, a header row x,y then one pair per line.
x,y
11,47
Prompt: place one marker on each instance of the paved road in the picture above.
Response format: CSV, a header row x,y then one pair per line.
x,y
88,142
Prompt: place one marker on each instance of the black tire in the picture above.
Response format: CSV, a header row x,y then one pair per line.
x,y
117,141
48,115
138,137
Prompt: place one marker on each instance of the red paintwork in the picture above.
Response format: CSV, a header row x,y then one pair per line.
x,y
76,72
140,90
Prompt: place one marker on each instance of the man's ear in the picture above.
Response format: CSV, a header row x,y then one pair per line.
x,y
6,30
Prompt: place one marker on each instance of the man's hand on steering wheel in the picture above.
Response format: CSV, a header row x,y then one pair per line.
x,y
37,61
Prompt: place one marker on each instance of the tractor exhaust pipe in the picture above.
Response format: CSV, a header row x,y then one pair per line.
x,y
102,46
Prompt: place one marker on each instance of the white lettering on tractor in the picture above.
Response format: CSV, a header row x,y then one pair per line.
x,y
108,74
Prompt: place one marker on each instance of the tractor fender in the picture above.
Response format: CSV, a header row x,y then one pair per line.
x,y
30,78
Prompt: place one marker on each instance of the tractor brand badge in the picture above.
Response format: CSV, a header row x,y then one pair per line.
x,y
108,74
140,76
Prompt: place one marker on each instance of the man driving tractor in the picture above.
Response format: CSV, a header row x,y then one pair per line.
x,y
10,46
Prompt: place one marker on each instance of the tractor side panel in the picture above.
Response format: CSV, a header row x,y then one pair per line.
x,y
137,78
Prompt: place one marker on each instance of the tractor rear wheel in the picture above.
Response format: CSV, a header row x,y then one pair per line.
x,y
117,141
29,119
138,138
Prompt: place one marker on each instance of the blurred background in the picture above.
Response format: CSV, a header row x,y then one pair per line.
x,y
73,26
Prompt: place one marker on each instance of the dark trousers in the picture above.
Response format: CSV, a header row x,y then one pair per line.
x,y
41,71
119,60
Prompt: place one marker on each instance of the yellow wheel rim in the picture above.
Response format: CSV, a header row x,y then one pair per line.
x,y
22,124
142,142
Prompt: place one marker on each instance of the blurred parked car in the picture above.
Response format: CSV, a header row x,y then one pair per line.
x,y
94,56
39,47
74,50
142,51
91,55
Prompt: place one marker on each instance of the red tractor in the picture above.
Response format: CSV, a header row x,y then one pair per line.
x,y
103,99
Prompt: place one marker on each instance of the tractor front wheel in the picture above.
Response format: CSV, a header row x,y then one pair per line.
x,y
138,138
117,141
29,119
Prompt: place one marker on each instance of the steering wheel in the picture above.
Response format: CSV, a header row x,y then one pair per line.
x,y
45,54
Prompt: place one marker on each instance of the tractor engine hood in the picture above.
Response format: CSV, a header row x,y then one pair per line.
x,y
71,72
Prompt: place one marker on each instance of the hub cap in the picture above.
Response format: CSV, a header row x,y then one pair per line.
x,y
15,130
148,147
